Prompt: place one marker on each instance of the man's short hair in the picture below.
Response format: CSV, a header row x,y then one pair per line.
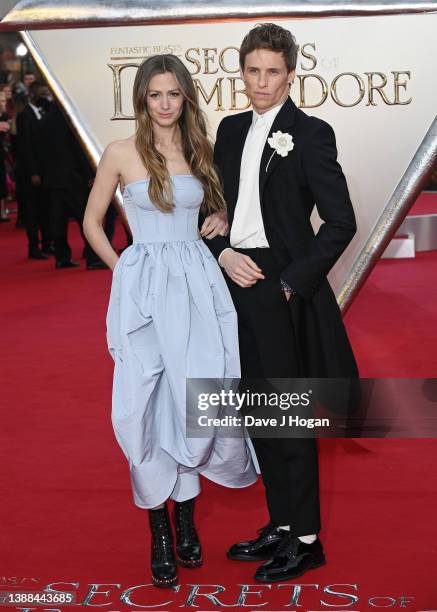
x,y
34,87
270,36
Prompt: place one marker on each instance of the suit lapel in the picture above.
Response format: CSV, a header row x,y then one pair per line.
x,y
235,154
283,122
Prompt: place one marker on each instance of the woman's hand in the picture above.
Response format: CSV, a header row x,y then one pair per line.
x,y
4,126
116,262
214,225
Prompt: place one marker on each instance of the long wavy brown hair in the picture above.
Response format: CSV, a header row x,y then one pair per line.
x,y
197,148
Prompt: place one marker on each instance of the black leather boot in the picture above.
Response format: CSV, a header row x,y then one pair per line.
x,y
188,549
164,569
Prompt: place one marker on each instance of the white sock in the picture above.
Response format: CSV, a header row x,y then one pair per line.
x,y
308,539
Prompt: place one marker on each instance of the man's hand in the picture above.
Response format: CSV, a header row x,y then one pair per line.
x,y
241,268
214,225
4,126
36,180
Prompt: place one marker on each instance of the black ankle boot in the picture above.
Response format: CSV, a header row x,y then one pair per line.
x,y
164,569
188,549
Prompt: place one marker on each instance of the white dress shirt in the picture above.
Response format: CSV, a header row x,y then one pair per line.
x,y
36,110
247,229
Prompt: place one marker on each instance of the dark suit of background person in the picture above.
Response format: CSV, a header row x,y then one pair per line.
x,y
19,101
304,337
28,164
65,174
4,117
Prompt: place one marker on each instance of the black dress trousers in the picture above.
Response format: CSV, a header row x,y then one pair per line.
x,y
289,466
36,214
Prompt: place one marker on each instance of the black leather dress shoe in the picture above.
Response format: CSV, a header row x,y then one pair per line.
x,y
292,559
263,547
96,265
67,264
37,255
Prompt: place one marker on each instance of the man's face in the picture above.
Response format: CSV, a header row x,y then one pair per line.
x,y
28,79
44,92
267,78
39,93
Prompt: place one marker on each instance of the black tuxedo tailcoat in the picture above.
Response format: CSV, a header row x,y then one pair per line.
x,y
36,206
28,143
290,187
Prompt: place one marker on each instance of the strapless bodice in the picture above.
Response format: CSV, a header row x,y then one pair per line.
x,y
149,224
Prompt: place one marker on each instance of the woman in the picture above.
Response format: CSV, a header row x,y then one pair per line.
x,y
170,315
7,90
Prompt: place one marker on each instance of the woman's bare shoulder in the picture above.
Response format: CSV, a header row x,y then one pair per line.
x,y
118,155
122,146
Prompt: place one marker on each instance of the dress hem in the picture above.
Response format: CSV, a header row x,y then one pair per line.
x,y
243,486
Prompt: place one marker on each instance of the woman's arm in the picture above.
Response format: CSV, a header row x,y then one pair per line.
x,y
101,195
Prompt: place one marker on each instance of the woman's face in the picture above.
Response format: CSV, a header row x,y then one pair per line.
x,y
164,99
8,92
2,101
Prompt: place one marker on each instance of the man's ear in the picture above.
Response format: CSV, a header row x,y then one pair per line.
x,y
291,76
241,72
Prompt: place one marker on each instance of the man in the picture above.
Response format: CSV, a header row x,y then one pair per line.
x,y
289,321
36,204
28,78
65,174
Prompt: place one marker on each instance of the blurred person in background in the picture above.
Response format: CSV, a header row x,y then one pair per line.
x,y
28,78
7,90
19,101
65,173
4,72
35,200
18,87
4,132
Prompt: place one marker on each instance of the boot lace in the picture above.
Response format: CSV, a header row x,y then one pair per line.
x,y
162,540
185,522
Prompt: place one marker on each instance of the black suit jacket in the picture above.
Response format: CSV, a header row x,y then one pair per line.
x,y
28,143
309,175
63,164
290,188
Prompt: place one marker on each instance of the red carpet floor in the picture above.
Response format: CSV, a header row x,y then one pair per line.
x,y
66,511
425,204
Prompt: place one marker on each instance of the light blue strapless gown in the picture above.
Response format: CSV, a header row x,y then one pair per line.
x,y
170,317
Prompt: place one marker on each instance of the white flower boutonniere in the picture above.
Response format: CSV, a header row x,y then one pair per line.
x,y
282,143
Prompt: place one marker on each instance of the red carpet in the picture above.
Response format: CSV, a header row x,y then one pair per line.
x,y
426,204
66,511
